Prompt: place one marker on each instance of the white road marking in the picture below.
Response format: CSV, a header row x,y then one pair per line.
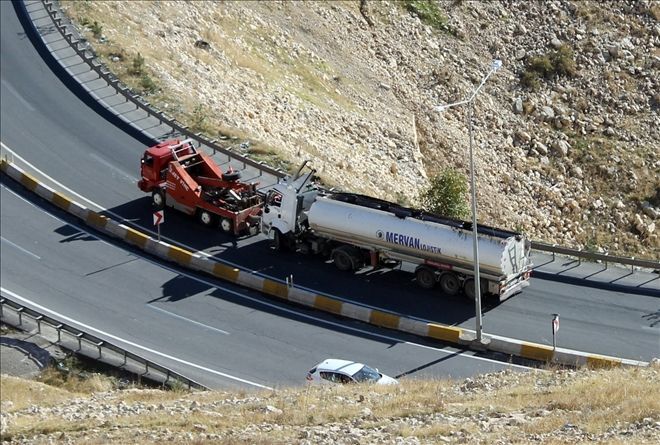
x,y
172,314
18,96
131,179
19,248
62,317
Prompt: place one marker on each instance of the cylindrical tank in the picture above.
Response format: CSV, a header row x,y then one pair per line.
x,y
427,240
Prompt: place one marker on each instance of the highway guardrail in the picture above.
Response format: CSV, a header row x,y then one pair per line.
x,y
81,342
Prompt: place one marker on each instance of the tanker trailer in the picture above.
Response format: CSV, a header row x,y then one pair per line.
x,y
358,231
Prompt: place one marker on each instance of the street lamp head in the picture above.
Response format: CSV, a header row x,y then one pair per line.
x,y
497,64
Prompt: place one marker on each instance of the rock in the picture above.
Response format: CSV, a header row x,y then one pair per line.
x,y
613,51
541,148
555,42
649,210
518,106
547,113
523,136
203,44
272,409
577,171
561,147
609,131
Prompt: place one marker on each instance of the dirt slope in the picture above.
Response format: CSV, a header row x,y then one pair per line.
x,y
566,133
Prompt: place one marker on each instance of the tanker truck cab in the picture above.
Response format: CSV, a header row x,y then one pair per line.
x,y
284,217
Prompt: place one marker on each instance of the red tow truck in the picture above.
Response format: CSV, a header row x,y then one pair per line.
x,y
180,176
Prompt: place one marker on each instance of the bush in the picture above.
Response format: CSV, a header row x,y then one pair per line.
x,y
428,13
550,65
96,29
147,84
447,195
564,61
137,66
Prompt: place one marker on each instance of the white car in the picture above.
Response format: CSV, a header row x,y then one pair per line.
x,y
344,371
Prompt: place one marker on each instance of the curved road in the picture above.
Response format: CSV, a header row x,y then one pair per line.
x,y
54,131
53,262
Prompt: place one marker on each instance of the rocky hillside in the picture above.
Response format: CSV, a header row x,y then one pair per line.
x,y
558,407
566,132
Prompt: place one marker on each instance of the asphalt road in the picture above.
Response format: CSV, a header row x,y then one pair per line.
x,y
48,126
202,322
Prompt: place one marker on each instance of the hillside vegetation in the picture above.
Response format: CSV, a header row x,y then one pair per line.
x,y
618,406
566,133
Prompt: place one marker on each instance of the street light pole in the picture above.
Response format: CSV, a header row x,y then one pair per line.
x,y
496,65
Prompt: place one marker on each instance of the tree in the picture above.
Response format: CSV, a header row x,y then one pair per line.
x,y
447,195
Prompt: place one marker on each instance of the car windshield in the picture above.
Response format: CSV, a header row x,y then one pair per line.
x,y
367,374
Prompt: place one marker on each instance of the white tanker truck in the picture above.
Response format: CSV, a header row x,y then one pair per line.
x,y
358,231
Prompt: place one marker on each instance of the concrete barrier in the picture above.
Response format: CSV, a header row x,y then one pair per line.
x,y
286,291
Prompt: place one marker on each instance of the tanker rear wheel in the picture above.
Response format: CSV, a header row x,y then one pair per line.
x,y
449,283
468,288
425,277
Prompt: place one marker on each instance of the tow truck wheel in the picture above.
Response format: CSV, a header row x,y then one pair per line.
x,y
449,283
206,218
226,225
158,199
425,277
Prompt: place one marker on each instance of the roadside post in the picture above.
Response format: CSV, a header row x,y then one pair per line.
x,y
555,329
159,218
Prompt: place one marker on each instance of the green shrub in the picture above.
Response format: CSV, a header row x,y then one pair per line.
x,y
428,12
147,84
137,65
564,61
96,29
447,195
548,66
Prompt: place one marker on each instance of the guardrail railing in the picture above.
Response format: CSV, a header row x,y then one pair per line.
x,y
594,256
102,71
88,55
87,343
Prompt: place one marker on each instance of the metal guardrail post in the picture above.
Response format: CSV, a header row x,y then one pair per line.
x,y
146,366
98,346
38,320
19,311
59,332
125,358
2,305
79,335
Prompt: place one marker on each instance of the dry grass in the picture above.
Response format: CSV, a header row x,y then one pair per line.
x,y
594,401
